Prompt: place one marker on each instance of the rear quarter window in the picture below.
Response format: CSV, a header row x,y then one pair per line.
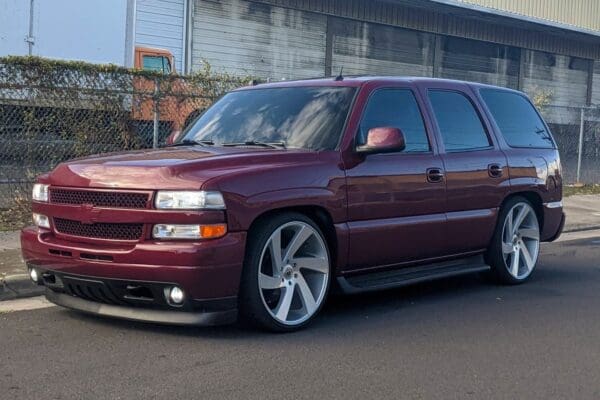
x,y
517,119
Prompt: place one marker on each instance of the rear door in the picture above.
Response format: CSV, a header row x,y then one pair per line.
x,y
476,171
396,213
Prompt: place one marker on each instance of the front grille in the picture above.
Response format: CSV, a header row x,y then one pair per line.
x,y
100,230
99,198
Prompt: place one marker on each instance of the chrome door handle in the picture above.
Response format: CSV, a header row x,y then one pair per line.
x,y
495,170
435,175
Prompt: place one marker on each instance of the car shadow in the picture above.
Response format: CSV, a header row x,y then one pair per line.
x,y
350,310
339,306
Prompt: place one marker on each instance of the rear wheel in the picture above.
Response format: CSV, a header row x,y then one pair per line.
x,y
286,273
515,247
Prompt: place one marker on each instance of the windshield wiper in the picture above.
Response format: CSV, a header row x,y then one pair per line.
x,y
189,142
271,145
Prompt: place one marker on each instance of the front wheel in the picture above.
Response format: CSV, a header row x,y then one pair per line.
x,y
286,273
515,246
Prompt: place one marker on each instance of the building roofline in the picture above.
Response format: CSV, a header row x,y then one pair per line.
x,y
513,15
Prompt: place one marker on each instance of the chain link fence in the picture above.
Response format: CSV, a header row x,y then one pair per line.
x,y
577,133
53,111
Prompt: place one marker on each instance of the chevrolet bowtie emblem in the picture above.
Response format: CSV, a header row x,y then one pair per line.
x,y
88,214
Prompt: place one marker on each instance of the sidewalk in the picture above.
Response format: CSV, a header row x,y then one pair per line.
x,y
14,281
583,213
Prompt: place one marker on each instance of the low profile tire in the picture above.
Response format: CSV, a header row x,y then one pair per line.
x,y
286,275
515,247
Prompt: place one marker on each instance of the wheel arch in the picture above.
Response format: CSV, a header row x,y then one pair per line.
x,y
536,202
318,214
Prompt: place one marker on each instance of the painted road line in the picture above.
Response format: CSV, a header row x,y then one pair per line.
x,y
32,303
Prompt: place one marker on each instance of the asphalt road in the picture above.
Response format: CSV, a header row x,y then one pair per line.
x,y
462,338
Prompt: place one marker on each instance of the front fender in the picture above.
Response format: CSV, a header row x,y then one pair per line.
x,y
241,212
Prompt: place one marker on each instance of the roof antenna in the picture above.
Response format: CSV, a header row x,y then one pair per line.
x,y
340,77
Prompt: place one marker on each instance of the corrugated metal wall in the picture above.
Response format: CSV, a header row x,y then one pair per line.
x,y
366,48
581,13
430,20
160,23
596,84
243,37
565,78
313,38
477,61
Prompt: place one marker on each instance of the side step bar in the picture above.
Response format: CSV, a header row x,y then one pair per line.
x,y
410,275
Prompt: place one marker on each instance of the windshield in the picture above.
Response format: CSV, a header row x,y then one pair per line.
x,y
297,117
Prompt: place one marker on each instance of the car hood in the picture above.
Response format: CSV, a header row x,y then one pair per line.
x,y
168,168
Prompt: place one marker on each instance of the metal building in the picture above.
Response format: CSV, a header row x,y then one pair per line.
x,y
515,47
539,46
579,13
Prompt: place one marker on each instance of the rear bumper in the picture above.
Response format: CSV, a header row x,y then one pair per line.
x,y
560,228
140,314
554,221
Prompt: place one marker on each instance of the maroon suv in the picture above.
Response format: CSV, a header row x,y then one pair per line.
x,y
280,191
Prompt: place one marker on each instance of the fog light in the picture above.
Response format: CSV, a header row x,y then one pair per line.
x,y
176,295
33,274
41,220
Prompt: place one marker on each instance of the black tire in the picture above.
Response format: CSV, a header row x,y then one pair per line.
x,y
252,309
495,256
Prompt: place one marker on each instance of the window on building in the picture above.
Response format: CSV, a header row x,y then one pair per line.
x,y
156,63
460,126
579,64
396,108
542,59
518,121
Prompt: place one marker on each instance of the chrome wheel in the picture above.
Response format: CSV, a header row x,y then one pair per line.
x,y
520,241
293,273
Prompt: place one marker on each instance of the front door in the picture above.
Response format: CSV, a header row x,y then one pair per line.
x,y
396,201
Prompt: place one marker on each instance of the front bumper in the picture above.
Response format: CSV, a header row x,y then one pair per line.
x,y
141,314
129,280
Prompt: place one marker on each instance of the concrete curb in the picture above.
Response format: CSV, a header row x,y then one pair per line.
x,y
18,287
581,229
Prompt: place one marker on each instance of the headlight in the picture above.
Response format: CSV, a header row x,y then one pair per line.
x,y
173,231
189,200
40,192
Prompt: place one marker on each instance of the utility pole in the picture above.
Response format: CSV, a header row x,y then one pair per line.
x,y
30,39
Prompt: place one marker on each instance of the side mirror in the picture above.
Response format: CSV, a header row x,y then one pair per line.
x,y
383,140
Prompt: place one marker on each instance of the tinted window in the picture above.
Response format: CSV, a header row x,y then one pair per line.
x,y
395,108
459,123
157,63
303,117
518,121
